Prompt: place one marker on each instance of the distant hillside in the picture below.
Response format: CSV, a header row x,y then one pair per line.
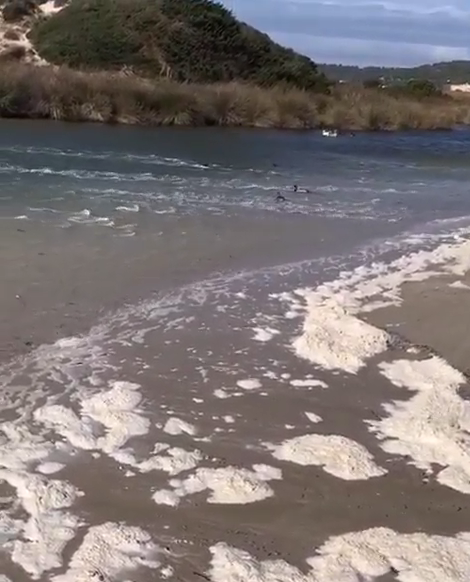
x,y
184,40
439,73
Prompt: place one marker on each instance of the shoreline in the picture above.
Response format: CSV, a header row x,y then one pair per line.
x,y
63,94
181,435
344,132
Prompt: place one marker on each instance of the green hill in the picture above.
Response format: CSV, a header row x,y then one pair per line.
x,y
185,40
439,73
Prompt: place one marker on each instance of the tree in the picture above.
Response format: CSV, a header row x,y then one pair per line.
x,y
422,88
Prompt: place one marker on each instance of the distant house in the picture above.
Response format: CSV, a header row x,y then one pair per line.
x,y
463,88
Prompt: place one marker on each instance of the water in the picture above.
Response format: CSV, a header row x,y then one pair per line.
x,y
405,178
155,254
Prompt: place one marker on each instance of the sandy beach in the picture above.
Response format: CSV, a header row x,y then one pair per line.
x,y
260,462
433,315
200,386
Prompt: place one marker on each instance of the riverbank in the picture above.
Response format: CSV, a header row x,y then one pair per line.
x,y
60,93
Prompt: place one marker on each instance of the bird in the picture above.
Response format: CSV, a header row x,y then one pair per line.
x,y
303,190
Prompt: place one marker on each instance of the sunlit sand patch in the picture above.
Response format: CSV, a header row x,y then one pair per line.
x,y
366,555
338,455
227,485
433,427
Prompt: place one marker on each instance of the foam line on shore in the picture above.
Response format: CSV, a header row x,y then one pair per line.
x,y
433,427
338,455
107,550
333,336
227,485
366,555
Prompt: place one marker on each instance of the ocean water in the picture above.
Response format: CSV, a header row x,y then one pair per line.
x,y
147,347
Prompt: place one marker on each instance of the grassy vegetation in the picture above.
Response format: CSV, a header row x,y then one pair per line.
x,y
197,41
65,94
438,73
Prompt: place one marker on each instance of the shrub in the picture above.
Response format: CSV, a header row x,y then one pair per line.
x,y
372,84
196,41
69,95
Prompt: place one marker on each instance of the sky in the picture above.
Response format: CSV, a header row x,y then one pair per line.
x,y
364,32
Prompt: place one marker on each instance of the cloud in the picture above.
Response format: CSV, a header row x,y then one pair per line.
x,y
395,32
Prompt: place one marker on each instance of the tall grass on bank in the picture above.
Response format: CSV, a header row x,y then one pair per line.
x,y
64,94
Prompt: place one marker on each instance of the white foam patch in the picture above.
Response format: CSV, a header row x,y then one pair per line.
x,y
228,485
338,455
176,426
19,448
353,557
249,384
131,208
115,409
166,572
50,468
49,526
264,334
334,340
308,383
221,394
333,336
108,551
433,427
166,497
313,417
459,285
168,460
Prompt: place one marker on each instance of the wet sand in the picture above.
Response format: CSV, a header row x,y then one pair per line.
x,y
435,314
56,282
309,505
180,366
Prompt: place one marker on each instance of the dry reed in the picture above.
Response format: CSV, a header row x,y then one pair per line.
x,y
64,94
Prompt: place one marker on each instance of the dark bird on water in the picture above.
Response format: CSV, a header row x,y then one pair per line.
x,y
303,190
280,197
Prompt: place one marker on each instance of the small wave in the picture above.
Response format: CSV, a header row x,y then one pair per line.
x,y
111,155
133,208
328,188
78,174
85,217
43,209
